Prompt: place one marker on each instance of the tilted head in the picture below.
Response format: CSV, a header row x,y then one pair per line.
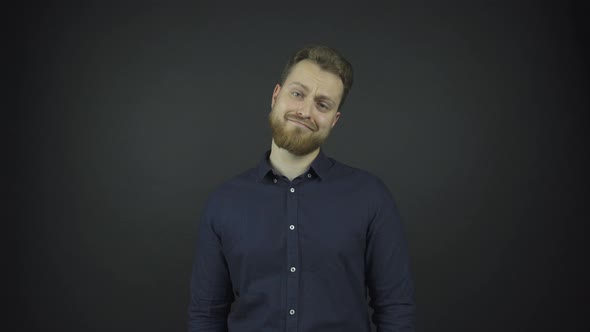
x,y
305,105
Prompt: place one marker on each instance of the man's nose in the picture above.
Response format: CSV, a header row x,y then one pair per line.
x,y
305,109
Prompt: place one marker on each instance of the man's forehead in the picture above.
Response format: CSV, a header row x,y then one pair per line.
x,y
310,69
310,75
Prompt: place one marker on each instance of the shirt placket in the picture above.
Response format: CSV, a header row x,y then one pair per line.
x,y
292,259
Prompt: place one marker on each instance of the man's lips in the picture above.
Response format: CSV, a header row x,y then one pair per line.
x,y
301,123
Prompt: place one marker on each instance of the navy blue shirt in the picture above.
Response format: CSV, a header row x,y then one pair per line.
x,y
300,255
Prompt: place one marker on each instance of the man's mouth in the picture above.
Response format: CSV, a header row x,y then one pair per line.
x,y
300,124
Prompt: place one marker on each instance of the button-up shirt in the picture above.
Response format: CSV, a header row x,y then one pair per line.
x,y
300,255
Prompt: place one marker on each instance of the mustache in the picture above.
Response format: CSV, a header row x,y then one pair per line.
x,y
304,121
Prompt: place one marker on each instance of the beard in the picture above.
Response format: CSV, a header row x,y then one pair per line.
x,y
298,141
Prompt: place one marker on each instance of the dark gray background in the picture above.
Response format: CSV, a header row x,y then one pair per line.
x,y
473,113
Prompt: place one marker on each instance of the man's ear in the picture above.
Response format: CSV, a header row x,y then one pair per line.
x,y
336,119
275,93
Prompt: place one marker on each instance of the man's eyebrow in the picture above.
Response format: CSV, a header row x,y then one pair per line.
x,y
301,85
304,87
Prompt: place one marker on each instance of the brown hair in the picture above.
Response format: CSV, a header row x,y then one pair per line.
x,y
328,59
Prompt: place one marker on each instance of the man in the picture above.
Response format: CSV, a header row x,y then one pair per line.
x,y
294,243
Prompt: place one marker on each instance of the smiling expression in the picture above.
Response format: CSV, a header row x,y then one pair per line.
x,y
305,108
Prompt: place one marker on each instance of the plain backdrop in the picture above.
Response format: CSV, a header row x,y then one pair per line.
x,y
129,114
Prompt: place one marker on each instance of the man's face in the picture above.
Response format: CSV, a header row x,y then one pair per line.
x,y
305,108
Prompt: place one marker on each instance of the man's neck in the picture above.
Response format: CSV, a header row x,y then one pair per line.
x,y
288,164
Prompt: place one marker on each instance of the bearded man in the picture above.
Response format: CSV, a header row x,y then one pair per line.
x,y
298,242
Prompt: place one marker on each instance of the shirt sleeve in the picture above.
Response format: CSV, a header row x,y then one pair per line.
x,y
388,267
211,291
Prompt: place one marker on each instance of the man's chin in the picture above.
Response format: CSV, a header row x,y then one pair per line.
x,y
299,153
300,148
296,132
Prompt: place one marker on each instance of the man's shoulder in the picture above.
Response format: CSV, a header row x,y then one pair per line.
x,y
367,184
343,170
366,181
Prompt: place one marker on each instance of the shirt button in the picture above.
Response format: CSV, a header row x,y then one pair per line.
x,y
309,175
293,269
274,180
292,312
292,190
292,227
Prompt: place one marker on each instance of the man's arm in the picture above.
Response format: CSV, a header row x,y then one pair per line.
x,y
388,267
210,288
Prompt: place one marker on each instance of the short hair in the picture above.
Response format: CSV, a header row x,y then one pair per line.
x,y
328,59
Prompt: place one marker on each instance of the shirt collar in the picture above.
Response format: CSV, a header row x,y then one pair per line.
x,y
319,166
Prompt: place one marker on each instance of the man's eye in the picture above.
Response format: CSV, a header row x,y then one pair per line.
x,y
323,106
296,94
